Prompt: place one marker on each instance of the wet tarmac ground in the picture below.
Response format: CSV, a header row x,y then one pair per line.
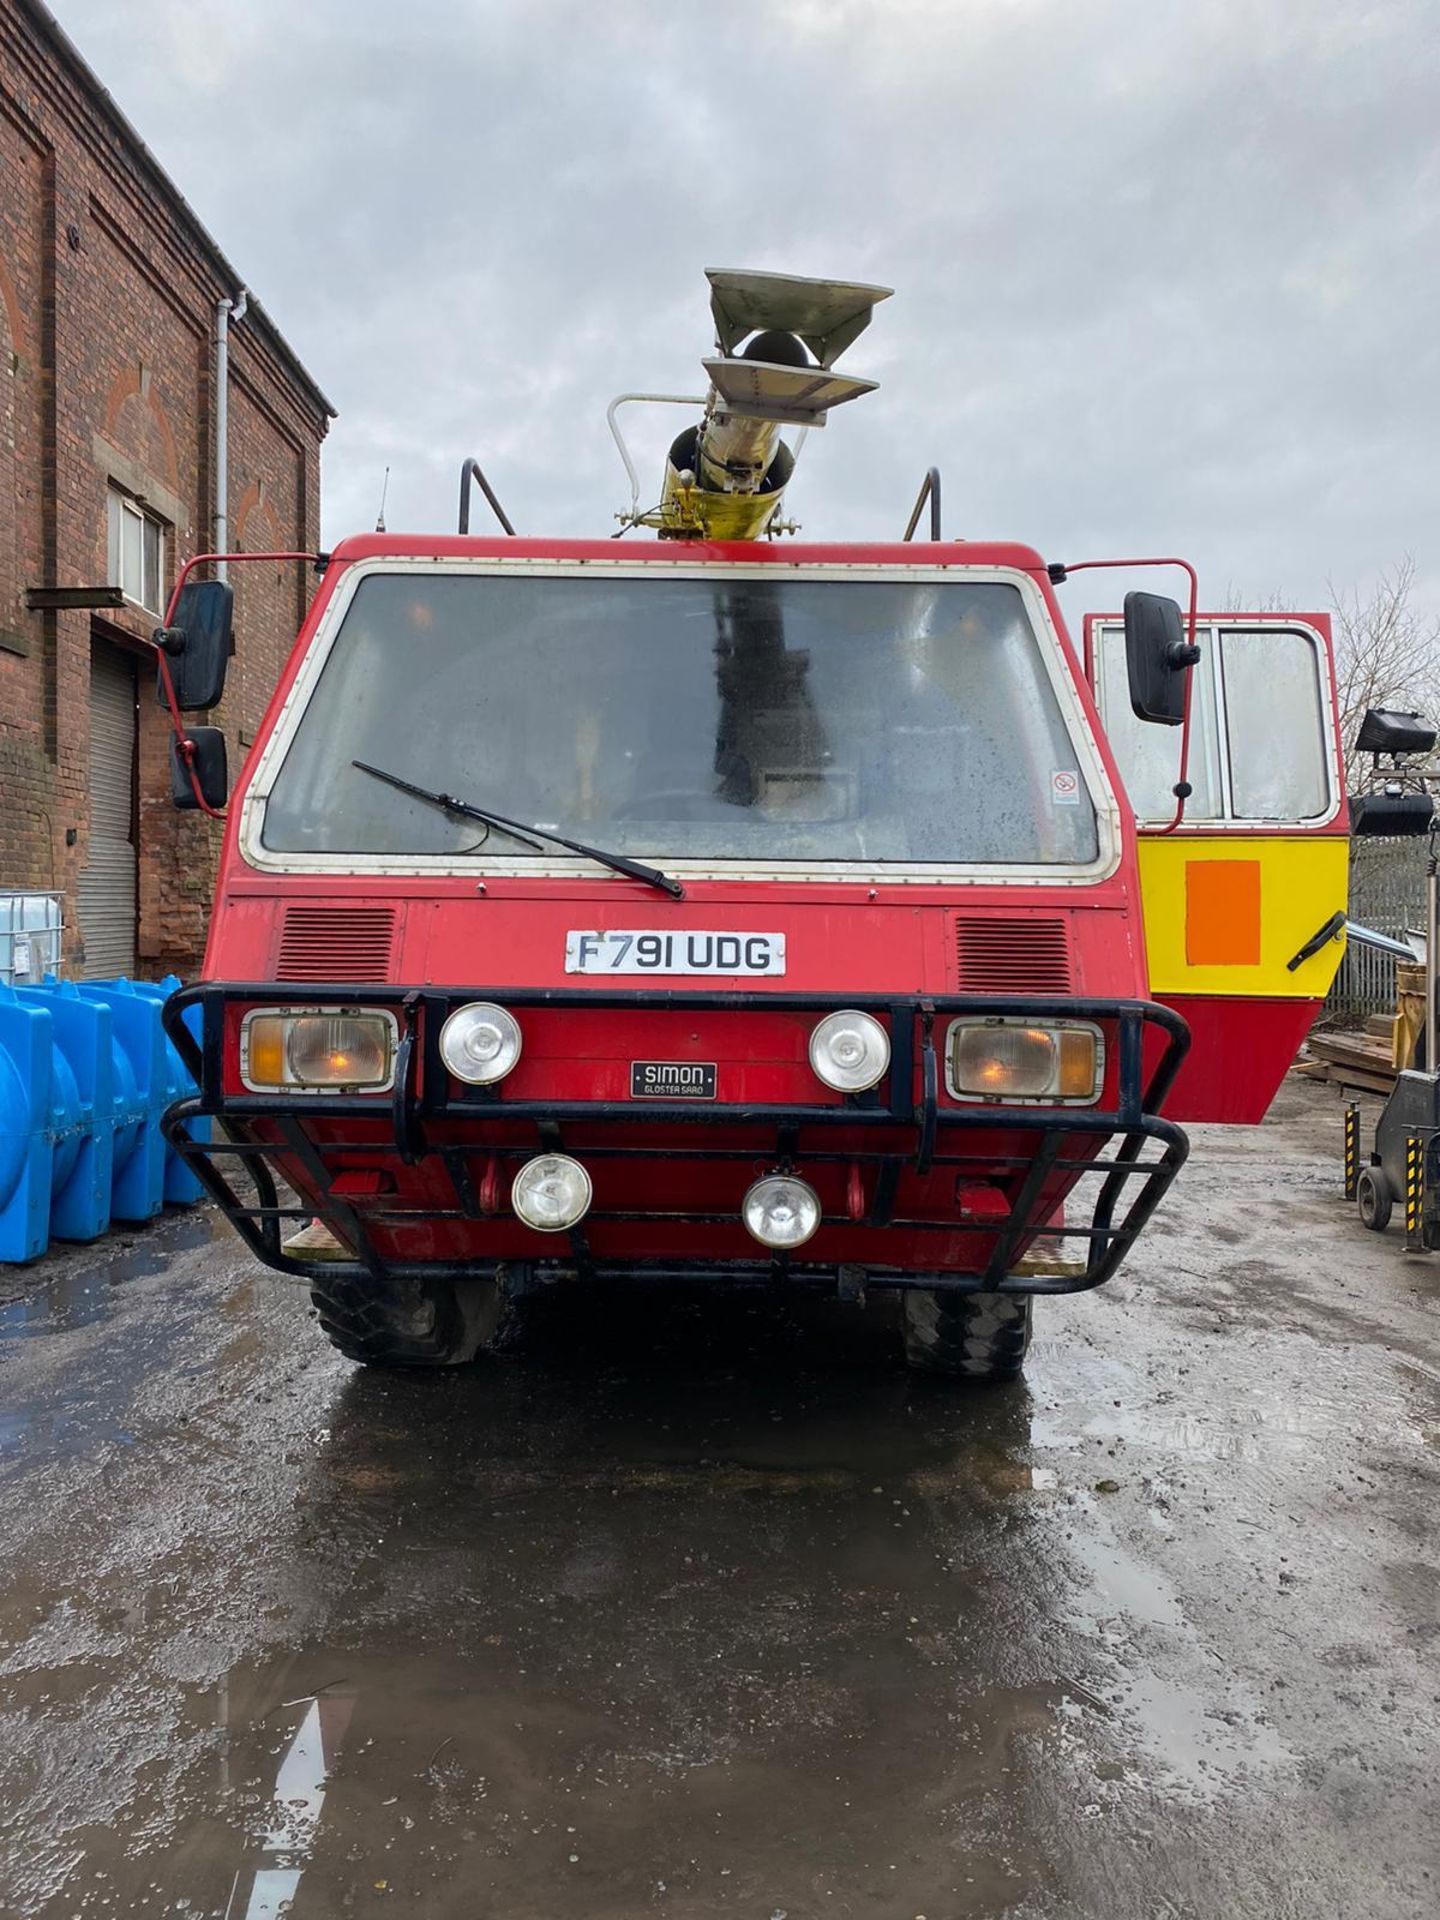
x,y
705,1607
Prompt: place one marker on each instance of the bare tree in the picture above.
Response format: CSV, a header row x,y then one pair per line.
x,y
1387,654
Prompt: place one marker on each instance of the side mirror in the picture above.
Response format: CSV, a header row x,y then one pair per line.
x,y
1383,730
1156,657
199,644
1397,815
212,773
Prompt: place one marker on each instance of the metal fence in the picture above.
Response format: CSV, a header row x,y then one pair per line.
x,y
1387,892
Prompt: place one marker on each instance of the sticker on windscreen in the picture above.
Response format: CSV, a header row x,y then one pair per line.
x,y
641,951
1064,788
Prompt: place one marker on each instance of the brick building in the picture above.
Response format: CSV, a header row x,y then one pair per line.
x,y
110,332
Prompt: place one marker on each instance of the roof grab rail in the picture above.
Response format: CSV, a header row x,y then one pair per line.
x,y
469,471
929,491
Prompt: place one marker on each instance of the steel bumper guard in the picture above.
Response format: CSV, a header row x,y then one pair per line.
x,y
1139,1154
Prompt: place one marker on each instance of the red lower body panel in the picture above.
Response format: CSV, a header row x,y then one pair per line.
x,y
1240,1052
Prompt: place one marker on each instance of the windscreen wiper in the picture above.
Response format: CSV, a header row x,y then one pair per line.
x,y
464,810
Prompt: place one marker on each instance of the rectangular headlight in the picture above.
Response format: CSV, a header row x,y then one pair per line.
x,y
318,1049
1015,1062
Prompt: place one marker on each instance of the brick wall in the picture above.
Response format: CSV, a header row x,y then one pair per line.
x,y
108,290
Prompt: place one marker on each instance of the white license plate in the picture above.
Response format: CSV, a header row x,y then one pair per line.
x,y
674,952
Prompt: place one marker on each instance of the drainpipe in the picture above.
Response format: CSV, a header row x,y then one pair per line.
x,y
227,312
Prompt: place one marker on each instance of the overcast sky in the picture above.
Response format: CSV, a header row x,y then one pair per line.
x,y
1167,275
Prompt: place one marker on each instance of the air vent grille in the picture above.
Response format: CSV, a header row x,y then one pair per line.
x,y
1012,956
337,943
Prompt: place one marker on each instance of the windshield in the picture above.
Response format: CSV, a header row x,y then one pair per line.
x,y
708,719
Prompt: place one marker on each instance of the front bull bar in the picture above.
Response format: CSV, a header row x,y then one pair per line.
x,y
922,1127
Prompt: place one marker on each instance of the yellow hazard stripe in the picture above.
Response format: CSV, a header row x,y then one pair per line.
x,y
1414,1183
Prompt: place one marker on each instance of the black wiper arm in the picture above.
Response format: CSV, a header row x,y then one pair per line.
x,y
466,810
460,809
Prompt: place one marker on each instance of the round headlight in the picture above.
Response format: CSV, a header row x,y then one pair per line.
x,y
551,1192
480,1043
850,1051
781,1211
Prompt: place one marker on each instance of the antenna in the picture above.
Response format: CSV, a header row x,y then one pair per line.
x,y
384,492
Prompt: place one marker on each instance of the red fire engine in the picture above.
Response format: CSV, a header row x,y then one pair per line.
x,y
716,907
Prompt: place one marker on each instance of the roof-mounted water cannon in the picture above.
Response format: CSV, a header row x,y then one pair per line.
x,y
777,339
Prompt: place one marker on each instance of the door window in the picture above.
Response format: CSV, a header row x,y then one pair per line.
x,y
1261,750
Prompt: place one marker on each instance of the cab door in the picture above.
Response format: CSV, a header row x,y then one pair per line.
x,y
1260,861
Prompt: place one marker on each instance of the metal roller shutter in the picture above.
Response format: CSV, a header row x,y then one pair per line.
x,y
107,891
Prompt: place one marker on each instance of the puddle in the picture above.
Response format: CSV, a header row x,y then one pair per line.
x,y
52,1407
1243,1424
57,1430
680,1608
74,1286
265,1889
1187,1739
73,1300
1230,1434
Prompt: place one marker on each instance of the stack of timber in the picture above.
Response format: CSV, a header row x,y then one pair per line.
x,y
1363,1062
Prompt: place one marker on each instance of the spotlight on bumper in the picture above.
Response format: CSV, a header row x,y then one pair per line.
x,y
850,1051
480,1043
551,1193
781,1211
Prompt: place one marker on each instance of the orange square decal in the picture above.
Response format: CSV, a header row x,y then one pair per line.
x,y
1222,913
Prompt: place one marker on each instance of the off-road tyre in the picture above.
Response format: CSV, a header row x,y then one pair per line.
x,y
407,1323
969,1336
1374,1199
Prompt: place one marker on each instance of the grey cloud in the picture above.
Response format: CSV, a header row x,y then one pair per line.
x,y
1166,275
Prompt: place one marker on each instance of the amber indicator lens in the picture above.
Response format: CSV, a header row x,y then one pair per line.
x,y
265,1066
1079,1079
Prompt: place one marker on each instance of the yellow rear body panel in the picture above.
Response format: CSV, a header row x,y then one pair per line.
x,y
1224,912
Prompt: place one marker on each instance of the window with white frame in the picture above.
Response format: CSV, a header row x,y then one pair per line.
x,y
136,551
1260,745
